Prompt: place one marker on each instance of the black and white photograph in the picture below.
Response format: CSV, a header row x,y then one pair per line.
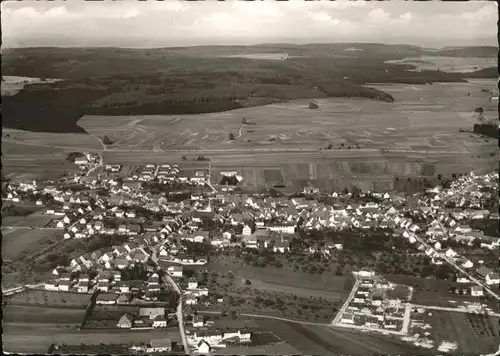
x,y
250,177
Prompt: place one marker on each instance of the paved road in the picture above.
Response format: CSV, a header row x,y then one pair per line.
x,y
455,310
269,317
32,228
457,267
101,161
210,177
180,313
336,320
240,150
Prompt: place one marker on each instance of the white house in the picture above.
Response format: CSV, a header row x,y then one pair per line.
x,y
450,253
175,271
247,231
492,278
192,283
476,291
203,347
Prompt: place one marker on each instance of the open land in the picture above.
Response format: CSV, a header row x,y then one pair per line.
x,y
420,130
474,333
36,338
49,299
309,339
24,241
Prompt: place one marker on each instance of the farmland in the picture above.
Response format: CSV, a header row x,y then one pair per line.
x,y
324,340
50,299
36,338
36,314
474,334
24,241
279,143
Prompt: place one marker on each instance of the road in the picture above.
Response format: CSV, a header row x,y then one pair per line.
x,y
269,317
241,150
101,161
457,267
32,228
209,181
455,310
20,289
336,320
180,313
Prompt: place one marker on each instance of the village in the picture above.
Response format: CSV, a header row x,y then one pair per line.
x,y
140,279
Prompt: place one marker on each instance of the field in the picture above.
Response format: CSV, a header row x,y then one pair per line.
x,y
324,340
36,219
280,142
325,285
50,299
19,241
448,64
35,314
474,334
36,338
435,292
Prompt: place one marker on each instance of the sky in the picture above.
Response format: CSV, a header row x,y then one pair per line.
x,y
131,23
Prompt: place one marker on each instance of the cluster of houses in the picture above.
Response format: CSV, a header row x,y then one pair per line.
x,y
112,289
205,341
155,317
86,160
374,305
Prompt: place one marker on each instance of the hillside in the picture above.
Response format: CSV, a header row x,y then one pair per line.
x,y
115,81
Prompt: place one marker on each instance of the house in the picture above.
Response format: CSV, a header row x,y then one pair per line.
x,y
365,273
347,318
103,286
123,287
151,313
247,231
121,263
198,321
51,285
492,278
125,321
450,253
192,283
476,291
160,321
468,264
106,298
124,298
203,347
64,285
175,271
160,345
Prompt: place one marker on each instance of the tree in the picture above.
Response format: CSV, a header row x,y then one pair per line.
x,y
247,282
184,158
106,140
439,177
231,136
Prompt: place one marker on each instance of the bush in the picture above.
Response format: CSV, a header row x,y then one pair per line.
x,y
313,105
248,282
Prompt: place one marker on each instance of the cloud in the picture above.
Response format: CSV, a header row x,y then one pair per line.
x,y
320,16
158,22
378,15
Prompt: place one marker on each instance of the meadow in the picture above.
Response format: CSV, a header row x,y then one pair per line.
x,y
21,241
